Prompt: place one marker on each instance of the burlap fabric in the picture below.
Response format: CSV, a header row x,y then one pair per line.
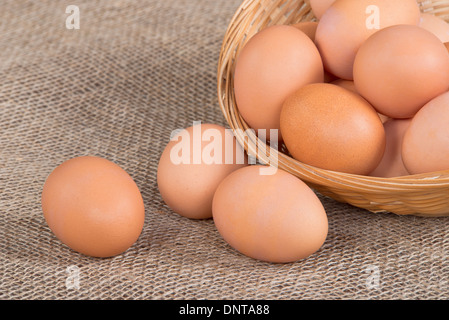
x,y
116,88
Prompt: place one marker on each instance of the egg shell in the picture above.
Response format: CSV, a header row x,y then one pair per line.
x,y
436,25
347,24
391,164
275,218
188,185
319,7
93,206
426,142
332,128
272,65
396,75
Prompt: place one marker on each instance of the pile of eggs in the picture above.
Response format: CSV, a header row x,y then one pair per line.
x,y
364,90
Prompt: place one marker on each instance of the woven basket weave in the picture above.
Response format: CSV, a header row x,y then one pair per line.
x,y
420,195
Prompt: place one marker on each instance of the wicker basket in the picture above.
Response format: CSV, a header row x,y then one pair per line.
x,y
424,195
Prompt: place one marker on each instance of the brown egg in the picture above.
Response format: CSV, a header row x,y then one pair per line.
x,y
272,65
446,44
426,142
93,206
332,128
308,27
275,218
192,166
436,25
319,7
392,164
396,75
347,24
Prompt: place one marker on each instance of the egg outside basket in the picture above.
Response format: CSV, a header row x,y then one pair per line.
x,y
424,195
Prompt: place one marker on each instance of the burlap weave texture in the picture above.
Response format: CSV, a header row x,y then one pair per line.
x,y
116,88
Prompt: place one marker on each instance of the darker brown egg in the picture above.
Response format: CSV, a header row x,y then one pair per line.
x,y
332,128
